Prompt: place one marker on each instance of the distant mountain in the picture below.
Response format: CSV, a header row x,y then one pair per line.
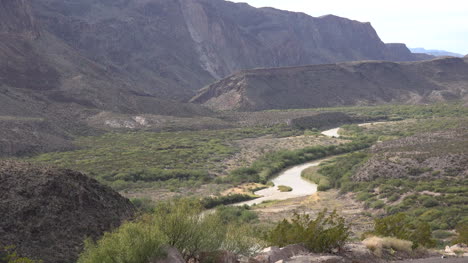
x,y
437,53
62,62
353,83
171,48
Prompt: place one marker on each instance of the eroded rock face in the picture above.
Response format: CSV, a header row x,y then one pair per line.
x,y
174,47
47,213
353,83
16,18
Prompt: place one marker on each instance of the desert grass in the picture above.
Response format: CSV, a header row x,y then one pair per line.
x,y
378,244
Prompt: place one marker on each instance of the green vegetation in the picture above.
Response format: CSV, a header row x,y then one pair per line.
x,y
462,232
402,227
181,224
210,202
338,172
284,188
377,244
322,234
322,182
8,255
143,159
272,163
442,210
399,112
133,242
237,214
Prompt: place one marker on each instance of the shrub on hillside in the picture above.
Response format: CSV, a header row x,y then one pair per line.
x,y
133,242
182,224
322,234
400,226
9,255
377,244
462,231
210,202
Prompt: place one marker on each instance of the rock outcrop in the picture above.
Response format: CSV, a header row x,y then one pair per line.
x,y
353,83
47,213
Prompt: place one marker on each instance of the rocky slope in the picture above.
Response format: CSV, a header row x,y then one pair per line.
x,y
46,213
173,47
424,156
354,83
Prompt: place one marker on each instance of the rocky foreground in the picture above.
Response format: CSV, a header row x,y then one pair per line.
x,y
47,213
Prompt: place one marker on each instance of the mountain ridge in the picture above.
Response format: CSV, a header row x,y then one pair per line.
x,y
199,41
352,83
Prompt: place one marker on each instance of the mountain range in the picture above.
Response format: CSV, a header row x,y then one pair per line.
x,y
64,62
351,83
435,52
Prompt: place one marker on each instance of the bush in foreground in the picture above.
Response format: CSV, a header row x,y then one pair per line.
x,y
182,224
322,234
377,244
400,226
131,243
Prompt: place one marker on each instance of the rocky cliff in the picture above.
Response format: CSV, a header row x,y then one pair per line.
x,y
170,48
17,19
354,83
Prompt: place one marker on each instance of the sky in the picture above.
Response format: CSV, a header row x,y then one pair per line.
x,y
429,24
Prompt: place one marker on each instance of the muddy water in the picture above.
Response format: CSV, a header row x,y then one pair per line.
x,y
290,177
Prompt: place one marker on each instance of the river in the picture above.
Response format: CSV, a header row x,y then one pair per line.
x,y
290,177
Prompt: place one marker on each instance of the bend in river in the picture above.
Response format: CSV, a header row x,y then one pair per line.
x,y
292,178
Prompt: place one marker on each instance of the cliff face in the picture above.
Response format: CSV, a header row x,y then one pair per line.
x,y
173,47
354,83
17,19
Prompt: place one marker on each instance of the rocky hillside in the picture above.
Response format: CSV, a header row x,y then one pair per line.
x,y
172,48
46,213
354,83
424,156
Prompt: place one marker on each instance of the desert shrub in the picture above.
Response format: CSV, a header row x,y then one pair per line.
x,y
339,172
321,234
236,214
462,231
394,198
8,254
210,202
133,242
187,228
377,244
377,204
284,188
400,226
442,234
145,205
322,182
243,239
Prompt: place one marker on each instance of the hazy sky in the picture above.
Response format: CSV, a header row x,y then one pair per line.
x,y
418,23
